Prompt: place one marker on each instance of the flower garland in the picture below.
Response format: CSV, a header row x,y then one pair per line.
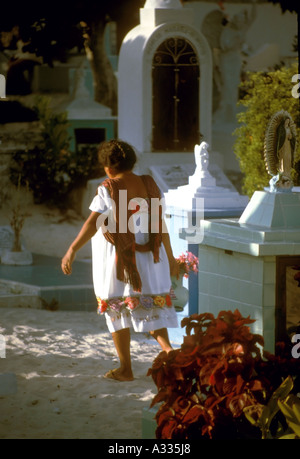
x,y
187,263
132,302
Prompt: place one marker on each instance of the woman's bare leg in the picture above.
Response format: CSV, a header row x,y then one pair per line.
x,y
162,337
121,340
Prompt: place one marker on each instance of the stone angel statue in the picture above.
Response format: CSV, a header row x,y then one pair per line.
x,y
227,39
279,150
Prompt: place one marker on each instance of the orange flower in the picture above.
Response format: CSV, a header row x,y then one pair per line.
x,y
159,301
168,301
102,305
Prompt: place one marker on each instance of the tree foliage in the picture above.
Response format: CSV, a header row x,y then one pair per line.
x,y
50,29
265,93
51,171
287,5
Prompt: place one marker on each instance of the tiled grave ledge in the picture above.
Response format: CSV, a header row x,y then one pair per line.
x,y
43,285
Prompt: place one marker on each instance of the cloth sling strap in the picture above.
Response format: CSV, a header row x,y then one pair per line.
x,y
124,243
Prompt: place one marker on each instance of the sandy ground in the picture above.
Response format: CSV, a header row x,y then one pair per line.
x,y
59,359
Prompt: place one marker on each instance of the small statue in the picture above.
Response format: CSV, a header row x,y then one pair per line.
x,y
201,156
202,176
279,151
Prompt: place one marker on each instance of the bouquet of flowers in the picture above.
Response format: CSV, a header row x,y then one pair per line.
x,y
187,262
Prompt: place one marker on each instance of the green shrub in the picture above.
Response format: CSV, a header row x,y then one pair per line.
x,y
53,171
264,94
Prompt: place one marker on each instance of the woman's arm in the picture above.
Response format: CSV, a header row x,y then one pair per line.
x,y
87,231
174,268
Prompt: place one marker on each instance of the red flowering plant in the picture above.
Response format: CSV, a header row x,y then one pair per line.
x,y
187,263
205,386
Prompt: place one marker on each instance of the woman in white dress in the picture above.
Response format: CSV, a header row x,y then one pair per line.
x,y
132,255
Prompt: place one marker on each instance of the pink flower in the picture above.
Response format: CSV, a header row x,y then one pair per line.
x,y
131,302
187,263
115,304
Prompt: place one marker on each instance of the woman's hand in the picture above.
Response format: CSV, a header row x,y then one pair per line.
x,y
66,262
87,231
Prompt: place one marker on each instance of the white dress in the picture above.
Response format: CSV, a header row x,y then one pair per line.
x,y
150,309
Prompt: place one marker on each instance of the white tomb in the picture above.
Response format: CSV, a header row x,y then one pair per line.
x,y
159,112
204,193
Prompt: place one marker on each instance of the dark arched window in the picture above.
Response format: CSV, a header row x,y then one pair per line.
x,y
175,91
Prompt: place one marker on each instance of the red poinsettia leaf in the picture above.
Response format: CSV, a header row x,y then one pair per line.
x,y
168,429
193,414
189,341
206,316
212,380
181,406
212,401
237,404
228,385
207,430
160,360
185,322
255,385
159,397
221,326
165,415
161,379
240,383
177,373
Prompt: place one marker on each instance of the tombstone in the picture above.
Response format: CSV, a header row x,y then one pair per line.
x,y
252,263
6,238
165,85
216,200
208,194
89,122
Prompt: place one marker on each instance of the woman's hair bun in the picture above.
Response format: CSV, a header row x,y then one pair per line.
x,y
117,154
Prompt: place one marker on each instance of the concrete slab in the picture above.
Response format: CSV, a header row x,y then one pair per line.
x,y
46,281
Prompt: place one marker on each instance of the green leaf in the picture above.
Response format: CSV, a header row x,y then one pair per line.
x,y
288,437
272,408
290,407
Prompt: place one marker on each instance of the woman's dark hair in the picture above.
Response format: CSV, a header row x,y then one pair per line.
x,y
117,154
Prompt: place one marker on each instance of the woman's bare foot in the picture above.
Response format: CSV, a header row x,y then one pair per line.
x,y
118,375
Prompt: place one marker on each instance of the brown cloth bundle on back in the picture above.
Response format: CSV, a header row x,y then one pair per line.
x,y
124,243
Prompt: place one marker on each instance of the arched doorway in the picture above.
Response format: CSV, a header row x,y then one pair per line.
x,y
175,93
